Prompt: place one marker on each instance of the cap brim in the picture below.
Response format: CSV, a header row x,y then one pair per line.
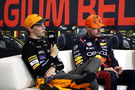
x,y
98,26
41,21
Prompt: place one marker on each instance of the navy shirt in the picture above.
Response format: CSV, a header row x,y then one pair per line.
x,y
88,47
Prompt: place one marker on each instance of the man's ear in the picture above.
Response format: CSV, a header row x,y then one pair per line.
x,y
30,29
87,28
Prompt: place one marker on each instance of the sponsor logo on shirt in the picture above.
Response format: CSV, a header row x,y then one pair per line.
x,y
89,44
42,57
75,47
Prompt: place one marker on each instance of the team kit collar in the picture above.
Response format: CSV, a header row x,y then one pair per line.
x,y
94,39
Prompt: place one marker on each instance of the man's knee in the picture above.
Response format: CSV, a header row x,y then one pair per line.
x,y
95,60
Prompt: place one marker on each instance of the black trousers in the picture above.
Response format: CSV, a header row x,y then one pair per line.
x,y
111,80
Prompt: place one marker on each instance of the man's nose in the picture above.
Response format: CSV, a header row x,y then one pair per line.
x,y
99,30
43,26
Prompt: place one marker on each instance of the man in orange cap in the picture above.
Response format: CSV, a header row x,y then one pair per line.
x,y
94,23
41,59
93,45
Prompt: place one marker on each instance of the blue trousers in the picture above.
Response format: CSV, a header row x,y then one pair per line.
x,y
111,80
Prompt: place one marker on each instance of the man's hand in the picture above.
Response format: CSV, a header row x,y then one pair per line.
x,y
54,51
111,69
118,69
50,71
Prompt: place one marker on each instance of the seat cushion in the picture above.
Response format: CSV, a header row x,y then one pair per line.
x,y
32,88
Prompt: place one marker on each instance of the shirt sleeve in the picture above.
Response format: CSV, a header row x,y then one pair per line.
x,y
37,64
111,58
58,64
78,52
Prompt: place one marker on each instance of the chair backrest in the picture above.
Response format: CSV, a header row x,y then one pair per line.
x,y
14,74
126,58
66,58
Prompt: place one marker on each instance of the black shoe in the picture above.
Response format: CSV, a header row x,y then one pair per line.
x,y
44,87
87,77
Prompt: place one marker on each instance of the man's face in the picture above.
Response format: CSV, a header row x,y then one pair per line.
x,y
94,32
38,31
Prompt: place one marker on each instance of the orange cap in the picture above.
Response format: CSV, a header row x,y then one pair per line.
x,y
94,21
33,19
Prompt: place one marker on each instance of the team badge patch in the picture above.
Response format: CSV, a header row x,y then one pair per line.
x,y
41,62
75,47
41,52
102,44
31,58
42,57
89,44
34,62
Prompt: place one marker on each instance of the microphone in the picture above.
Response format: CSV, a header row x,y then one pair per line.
x,y
51,38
